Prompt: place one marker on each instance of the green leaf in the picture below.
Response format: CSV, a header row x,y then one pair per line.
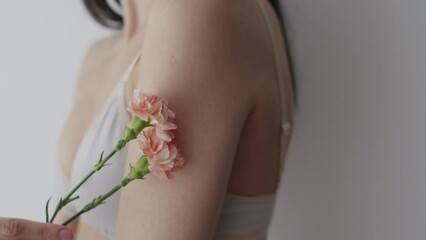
x,y
72,199
47,209
102,156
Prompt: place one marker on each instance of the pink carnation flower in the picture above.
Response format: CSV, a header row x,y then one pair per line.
x,y
152,106
166,161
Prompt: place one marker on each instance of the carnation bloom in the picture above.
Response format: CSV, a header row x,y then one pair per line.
x,y
152,107
166,161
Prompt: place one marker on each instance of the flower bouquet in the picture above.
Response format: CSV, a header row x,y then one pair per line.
x,y
152,125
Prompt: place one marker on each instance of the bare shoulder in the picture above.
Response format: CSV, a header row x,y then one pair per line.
x,y
213,25
94,60
222,41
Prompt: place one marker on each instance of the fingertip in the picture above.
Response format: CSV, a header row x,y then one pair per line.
x,y
66,234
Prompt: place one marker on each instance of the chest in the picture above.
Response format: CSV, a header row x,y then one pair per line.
x,y
96,84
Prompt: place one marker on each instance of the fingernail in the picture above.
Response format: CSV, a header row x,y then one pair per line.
x,y
66,234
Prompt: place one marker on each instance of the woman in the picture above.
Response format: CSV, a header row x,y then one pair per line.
x,y
222,65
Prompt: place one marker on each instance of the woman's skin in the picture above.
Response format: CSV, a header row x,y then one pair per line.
x,y
11,229
214,62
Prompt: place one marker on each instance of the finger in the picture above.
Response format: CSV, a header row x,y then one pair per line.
x,y
11,229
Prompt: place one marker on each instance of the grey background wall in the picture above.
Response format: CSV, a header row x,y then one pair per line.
x,y
356,168
357,165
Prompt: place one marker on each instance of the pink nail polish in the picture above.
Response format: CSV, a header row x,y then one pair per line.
x,y
66,234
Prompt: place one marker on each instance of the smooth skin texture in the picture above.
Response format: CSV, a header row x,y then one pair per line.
x,y
211,84
213,60
11,229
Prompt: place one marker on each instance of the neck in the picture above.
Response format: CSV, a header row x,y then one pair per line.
x,y
136,13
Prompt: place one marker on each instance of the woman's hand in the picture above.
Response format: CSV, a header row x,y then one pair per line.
x,y
11,229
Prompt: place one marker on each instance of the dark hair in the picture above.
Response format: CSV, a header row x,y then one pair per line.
x,y
104,14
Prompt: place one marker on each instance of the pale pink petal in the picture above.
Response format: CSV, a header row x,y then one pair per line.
x,y
164,153
165,135
149,142
171,115
168,126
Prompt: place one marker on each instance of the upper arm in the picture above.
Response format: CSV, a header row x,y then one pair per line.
x,y
190,57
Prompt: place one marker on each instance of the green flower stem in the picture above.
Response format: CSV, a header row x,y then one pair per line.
x,y
99,200
131,132
68,198
136,172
